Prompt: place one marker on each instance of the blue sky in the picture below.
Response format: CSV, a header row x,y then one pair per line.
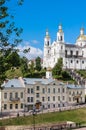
x,y
35,16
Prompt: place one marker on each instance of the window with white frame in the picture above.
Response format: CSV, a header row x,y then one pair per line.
x,y
28,99
58,98
5,95
70,99
43,99
21,94
37,95
16,95
53,98
16,106
5,106
11,106
32,90
63,98
63,90
28,90
31,99
48,90
58,90
37,88
48,98
43,90
21,105
53,90
11,95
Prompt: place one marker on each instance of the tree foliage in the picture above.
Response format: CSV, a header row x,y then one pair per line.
x,y
58,67
13,59
9,36
38,63
24,65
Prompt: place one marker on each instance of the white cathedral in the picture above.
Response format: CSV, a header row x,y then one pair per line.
x,y
74,55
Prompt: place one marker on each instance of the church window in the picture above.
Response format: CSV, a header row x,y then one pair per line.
x,y
82,53
82,62
37,88
54,51
61,47
77,53
71,61
77,61
48,43
66,53
61,38
71,53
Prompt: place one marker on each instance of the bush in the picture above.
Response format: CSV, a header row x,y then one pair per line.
x,y
65,75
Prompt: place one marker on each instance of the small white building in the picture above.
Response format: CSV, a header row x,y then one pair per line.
x,y
74,55
21,94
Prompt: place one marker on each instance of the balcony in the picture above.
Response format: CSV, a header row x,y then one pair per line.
x,y
77,96
15,99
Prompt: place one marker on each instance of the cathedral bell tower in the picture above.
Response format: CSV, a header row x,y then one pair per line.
x,y
47,49
47,40
60,34
47,44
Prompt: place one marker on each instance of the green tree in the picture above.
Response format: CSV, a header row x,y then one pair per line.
x,y
31,68
9,34
24,65
57,70
13,59
38,63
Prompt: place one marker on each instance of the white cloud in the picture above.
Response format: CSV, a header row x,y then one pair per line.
x,y
35,41
34,52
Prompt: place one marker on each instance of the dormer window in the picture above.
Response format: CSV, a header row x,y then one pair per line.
x,y
12,85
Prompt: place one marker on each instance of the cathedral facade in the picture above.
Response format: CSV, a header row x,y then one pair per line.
x,y
74,55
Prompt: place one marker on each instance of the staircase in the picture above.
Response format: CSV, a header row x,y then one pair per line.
x,y
77,77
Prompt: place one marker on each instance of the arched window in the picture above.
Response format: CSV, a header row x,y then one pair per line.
x,y
65,53
71,53
48,43
61,38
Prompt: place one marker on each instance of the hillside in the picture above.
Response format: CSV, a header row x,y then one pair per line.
x,y
13,73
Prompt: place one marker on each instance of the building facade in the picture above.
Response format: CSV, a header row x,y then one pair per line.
x,y
21,94
74,55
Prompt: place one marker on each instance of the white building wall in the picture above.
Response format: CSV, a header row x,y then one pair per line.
x,y
58,48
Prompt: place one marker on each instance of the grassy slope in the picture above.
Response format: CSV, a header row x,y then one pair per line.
x,y
82,73
13,73
78,115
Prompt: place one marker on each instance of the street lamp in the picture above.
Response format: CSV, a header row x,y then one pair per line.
x,y
34,112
